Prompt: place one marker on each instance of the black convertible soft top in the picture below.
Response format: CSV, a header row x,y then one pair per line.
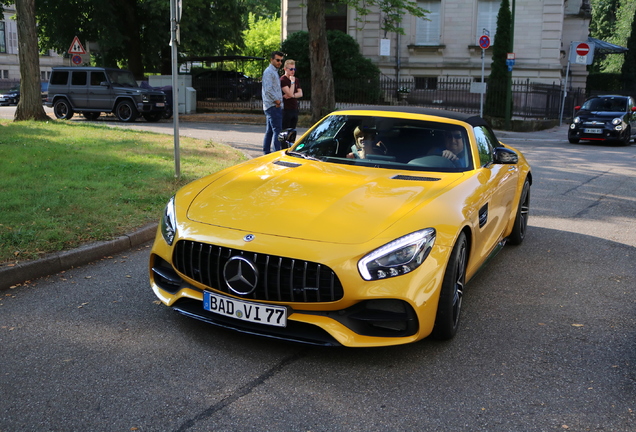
x,y
471,119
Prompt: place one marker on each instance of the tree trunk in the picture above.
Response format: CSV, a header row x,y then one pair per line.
x,y
127,14
323,99
30,105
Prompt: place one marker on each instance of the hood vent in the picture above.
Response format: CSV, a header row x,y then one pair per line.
x,y
287,164
414,178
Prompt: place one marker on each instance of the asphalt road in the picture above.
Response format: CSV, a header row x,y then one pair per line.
x,y
547,340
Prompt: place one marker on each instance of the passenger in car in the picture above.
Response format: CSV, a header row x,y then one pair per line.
x,y
366,142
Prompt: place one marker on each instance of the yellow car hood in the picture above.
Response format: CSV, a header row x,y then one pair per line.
x,y
314,200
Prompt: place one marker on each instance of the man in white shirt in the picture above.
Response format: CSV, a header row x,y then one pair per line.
x,y
272,98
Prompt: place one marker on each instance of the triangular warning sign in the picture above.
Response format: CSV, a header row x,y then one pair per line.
x,y
76,47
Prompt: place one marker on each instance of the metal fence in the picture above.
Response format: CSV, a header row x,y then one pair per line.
x,y
529,100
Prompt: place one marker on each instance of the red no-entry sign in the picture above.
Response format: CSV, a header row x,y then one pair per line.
x,y
582,49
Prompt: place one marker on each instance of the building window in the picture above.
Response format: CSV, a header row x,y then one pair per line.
x,y
336,16
4,74
427,31
487,11
3,39
426,83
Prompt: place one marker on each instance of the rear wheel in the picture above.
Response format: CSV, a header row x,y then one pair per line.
x,y
126,112
62,109
521,220
91,115
450,298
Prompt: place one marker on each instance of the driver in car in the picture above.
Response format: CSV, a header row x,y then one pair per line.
x,y
454,148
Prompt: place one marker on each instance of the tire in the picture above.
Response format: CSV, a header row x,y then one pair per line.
x,y
628,137
521,219
126,112
153,116
167,114
573,140
62,109
91,115
452,292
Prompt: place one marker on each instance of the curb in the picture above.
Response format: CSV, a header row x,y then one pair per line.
x,y
57,262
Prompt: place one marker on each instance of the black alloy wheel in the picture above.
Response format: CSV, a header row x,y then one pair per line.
x,y
450,299
126,112
521,220
62,109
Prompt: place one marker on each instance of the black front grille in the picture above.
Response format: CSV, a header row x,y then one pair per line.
x,y
280,279
156,98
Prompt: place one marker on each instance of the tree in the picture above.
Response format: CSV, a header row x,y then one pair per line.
x,y
602,26
261,38
30,104
628,71
321,73
324,101
135,33
495,105
357,79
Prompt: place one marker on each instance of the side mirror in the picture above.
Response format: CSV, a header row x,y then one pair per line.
x,y
287,138
104,83
504,155
578,107
633,108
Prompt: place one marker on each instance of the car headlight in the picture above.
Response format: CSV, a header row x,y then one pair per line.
x,y
617,121
169,223
398,257
576,120
144,97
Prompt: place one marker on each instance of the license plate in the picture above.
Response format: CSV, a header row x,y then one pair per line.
x,y
593,131
161,104
245,311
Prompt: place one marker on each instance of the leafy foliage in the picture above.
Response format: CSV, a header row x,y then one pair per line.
x,y
261,38
611,22
135,33
628,71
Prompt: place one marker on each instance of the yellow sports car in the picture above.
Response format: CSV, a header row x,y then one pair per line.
x,y
363,233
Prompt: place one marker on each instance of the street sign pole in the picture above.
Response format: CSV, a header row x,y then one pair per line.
x,y
484,43
175,85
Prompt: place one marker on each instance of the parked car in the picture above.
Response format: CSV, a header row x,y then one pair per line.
x,y
317,245
93,90
604,118
227,85
12,96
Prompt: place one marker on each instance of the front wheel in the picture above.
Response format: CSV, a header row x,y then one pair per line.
x,y
628,137
126,112
450,298
521,219
573,140
62,109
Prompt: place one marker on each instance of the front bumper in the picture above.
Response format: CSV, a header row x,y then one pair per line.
x,y
379,313
597,132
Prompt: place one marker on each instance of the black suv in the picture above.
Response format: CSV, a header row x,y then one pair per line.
x,y
227,85
93,90
604,118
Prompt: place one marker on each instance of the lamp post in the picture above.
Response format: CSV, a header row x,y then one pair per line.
x,y
509,84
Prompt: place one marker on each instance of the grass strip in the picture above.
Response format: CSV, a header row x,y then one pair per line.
x,y
64,184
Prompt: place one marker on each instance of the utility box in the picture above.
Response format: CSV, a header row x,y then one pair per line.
x,y
183,83
191,100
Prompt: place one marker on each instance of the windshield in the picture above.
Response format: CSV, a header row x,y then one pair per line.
x,y
606,104
390,143
122,78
